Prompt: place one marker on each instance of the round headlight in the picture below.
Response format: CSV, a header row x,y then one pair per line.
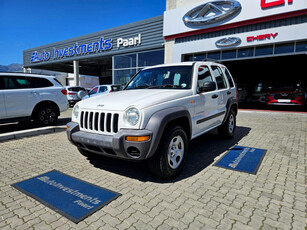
x,y
75,112
133,116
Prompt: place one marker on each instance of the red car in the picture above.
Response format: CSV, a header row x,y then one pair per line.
x,y
286,96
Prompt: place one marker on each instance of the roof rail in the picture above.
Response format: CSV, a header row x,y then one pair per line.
x,y
212,60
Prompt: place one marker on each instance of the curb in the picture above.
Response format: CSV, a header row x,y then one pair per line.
x,y
31,132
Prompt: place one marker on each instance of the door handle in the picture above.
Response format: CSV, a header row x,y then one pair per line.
x,y
34,92
229,92
215,96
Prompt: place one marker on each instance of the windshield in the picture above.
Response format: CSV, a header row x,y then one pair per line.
x,y
171,77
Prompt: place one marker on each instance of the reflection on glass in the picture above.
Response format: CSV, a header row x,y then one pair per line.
x,y
151,58
125,61
264,50
122,77
284,48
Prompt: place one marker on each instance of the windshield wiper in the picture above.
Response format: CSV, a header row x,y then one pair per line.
x,y
140,87
165,86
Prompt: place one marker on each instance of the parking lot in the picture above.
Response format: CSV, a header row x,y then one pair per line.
x,y
202,197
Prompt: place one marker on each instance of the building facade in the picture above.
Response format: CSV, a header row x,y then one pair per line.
x,y
114,55
261,41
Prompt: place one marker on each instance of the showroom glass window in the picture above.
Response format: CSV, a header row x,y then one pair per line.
x,y
125,66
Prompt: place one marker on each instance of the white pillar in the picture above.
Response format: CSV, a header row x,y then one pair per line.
x,y
76,73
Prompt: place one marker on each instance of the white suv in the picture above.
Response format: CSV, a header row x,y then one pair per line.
x,y
31,97
156,115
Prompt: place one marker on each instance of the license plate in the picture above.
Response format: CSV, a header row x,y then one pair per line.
x,y
284,100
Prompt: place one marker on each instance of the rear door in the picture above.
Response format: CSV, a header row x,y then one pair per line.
x,y
222,92
17,96
206,103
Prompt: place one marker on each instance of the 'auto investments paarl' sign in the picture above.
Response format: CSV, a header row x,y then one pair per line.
x,y
83,49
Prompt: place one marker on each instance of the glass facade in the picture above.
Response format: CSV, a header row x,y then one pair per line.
x,y
125,66
250,52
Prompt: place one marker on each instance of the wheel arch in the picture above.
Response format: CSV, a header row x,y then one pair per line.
x,y
164,119
45,103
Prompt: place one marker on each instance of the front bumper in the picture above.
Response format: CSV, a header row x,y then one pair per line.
x,y
113,146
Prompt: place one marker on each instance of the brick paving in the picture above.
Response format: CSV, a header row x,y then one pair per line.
x,y
202,197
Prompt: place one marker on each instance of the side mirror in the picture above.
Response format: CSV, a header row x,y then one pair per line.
x,y
207,87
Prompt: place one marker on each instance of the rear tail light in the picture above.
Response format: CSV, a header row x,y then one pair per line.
x,y
110,91
71,93
64,91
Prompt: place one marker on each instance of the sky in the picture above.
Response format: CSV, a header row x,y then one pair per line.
x,y
27,24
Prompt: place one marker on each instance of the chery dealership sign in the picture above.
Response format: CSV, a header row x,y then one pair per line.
x,y
207,14
269,4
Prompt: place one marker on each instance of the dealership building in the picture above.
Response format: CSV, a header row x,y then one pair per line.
x,y
262,42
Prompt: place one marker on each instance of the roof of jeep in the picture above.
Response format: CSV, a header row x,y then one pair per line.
x,y
190,63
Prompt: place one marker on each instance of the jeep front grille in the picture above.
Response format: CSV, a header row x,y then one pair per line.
x,y
100,122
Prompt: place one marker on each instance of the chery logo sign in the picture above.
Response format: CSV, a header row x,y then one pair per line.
x,y
261,37
269,3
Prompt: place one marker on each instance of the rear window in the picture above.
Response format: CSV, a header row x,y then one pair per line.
x,y
115,88
75,89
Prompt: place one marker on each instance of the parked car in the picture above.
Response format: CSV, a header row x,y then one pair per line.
x,y
72,94
156,115
259,93
102,89
286,95
31,97
242,93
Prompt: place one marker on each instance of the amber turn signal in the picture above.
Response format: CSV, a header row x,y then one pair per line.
x,y
138,139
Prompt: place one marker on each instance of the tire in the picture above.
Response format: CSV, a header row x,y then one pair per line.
x,y
227,130
46,115
170,156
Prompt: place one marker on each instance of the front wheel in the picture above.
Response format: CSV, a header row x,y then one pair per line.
x,y
227,130
169,158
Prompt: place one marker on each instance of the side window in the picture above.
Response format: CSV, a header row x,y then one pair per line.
x,y
93,91
204,75
36,82
103,89
229,78
219,77
2,83
15,82
43,82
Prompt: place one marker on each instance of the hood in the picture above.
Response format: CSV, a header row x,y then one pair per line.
x,y
142,98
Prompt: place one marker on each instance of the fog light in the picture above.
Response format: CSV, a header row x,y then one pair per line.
x,y
138,139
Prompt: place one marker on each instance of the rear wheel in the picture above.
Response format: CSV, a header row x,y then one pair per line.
x,y
169,158
46,115
227,130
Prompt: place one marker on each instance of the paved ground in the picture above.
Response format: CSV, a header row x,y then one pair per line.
x,y
203,197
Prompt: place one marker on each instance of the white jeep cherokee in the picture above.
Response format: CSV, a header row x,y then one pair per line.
x,y
31,97
156,115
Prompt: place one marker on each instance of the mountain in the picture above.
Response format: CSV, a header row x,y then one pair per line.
x,y
11,68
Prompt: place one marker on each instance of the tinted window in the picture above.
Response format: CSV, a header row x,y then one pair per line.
x,y
36,82
103,89
229,78
76,89
14,82
220,80
204,75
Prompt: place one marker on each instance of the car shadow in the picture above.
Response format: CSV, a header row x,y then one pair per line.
x,y
202,152
27,125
